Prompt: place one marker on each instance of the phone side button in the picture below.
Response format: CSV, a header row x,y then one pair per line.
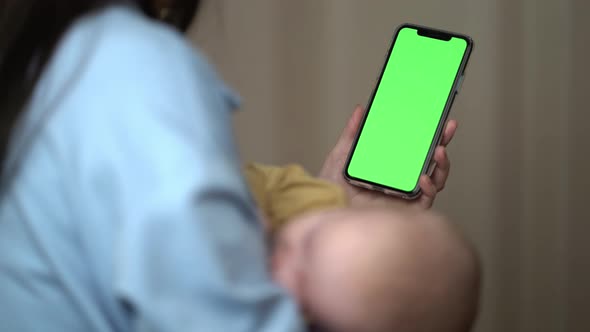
x,y
460,84
452,102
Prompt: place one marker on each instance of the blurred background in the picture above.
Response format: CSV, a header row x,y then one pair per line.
x,y
520,177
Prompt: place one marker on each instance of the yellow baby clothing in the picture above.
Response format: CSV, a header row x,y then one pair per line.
x,y
286,192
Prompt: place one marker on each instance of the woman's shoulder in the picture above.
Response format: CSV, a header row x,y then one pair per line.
x,y
127,40
116,71
117,56
116,68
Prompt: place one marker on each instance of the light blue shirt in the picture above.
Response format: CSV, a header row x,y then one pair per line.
x,y
122,204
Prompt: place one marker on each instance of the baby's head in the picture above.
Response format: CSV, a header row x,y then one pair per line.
x,y
378,270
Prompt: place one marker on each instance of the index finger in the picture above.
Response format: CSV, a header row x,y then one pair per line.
x,y
449,132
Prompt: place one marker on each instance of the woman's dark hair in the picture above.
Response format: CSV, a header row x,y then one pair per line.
x,y
31,29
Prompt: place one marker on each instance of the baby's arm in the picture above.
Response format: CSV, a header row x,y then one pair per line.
x,y
283,193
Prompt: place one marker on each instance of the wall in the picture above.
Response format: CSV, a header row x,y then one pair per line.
x,y
519,182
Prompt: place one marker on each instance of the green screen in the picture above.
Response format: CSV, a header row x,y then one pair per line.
x,y
409,102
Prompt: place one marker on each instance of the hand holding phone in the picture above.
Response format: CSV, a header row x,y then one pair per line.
x,y
408,109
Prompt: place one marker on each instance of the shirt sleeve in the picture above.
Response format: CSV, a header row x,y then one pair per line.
x,y
189,253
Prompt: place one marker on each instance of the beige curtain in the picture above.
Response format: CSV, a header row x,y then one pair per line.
x,y
521,161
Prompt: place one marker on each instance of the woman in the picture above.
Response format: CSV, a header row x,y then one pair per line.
x,y
122,205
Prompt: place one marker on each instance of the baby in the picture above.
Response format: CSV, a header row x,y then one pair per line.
x,y
372,269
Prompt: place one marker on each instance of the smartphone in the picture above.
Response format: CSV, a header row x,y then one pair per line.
x,y
408,109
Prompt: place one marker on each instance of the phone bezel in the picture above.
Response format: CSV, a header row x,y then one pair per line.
x,y
414,193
